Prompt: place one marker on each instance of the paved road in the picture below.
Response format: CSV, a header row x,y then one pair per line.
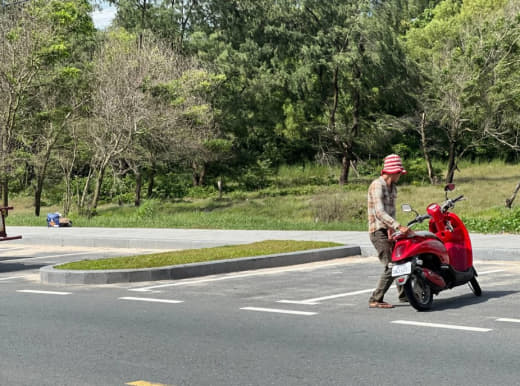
x,y
300,325
501,246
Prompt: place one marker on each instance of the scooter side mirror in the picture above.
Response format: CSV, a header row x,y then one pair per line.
x,y
406,208
449,187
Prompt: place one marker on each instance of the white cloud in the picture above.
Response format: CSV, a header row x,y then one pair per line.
x,y
103,18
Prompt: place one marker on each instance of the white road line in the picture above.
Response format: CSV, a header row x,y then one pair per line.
x,y
508,320
279,311
11,249
212,279
152,300
44,292
488,272
51,256
12,277
314,301
448,326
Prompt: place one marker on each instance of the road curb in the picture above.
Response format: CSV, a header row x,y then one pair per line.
x,y
51,275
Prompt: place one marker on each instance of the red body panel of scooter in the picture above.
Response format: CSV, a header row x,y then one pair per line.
x,y
457,242
420,243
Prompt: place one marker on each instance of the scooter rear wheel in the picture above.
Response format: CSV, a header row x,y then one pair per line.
x,y
419,292
475,287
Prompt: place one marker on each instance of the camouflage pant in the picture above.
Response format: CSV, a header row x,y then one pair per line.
x,y
384,248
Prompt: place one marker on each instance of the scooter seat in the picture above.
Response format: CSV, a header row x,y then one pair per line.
x,y
427,234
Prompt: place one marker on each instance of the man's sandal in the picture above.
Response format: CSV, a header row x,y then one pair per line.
x,y
380,305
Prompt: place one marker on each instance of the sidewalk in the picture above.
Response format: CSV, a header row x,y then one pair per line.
x,y
485,247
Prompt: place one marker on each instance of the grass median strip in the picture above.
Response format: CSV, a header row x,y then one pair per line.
x,y
267,247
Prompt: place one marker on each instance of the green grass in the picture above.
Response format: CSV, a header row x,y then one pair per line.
x,y
198,255
304,198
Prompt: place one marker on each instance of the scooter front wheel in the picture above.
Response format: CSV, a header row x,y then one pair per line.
x,y
475,287
419,292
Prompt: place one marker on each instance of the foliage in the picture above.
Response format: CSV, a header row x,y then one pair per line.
x,y
180,95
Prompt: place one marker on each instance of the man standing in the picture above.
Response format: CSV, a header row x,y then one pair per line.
x,y
382,195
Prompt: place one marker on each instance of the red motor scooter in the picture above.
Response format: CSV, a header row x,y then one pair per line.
x,y
427,262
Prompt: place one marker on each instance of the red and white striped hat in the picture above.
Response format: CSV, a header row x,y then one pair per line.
x,y
393,165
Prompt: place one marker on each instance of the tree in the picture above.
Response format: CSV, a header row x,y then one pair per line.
x,y
25,40
119,72
60,87
359,67
464,52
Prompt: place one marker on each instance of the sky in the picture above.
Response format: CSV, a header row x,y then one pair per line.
x,y
102,18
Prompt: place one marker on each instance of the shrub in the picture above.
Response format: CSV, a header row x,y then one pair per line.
x,y
257,176
330,208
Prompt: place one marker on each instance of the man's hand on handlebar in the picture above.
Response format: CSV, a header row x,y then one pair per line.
x,y
404,230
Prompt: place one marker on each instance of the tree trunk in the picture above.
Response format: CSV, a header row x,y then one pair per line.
x,y
97,189
335,88
219,185
199,172
5,191
151,183
38,195
138,186
67,198
452,164
81,203
345,168
427,159
40,180
509,201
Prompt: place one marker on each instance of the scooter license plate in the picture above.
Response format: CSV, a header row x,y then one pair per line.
x,y
402,269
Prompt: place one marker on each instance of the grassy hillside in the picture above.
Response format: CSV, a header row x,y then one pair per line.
x,y
309,199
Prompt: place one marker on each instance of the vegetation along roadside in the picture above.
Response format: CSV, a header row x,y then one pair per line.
x,y
303,198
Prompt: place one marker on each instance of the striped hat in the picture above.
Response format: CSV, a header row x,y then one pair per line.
x,y
393,165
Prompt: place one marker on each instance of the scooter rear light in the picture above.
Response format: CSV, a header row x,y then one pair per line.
x,y
398,251
401,280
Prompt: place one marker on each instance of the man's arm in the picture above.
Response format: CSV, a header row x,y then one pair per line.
x,y
380,212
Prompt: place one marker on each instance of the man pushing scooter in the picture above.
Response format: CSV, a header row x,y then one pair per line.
x,y
382,195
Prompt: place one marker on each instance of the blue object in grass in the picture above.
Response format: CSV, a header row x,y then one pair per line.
x,y
53,220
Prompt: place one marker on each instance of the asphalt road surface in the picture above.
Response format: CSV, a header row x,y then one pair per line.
x,y
299,325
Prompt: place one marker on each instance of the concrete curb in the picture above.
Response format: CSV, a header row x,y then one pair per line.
x,y
50,275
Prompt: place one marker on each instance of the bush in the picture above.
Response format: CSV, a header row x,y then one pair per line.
x,y
148,209
331,208
172,185
201,192
257,176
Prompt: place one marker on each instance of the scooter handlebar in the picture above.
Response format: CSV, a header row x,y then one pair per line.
x,y
458,198
418,219
451,203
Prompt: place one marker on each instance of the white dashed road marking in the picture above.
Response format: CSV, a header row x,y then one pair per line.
x,y
12,277
314,301
508,320
51,256
44,292
153,300
269,271
279,311
488,272
447,326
